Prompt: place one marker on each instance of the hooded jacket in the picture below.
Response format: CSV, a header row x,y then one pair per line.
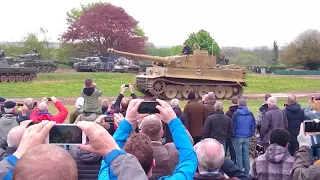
x,y
243,123
275,164
182,116
311,114
88,163
91,100
273,118
218,126
232,110
295,116
37,116
7,122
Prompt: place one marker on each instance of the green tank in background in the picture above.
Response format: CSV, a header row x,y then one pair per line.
x,y
98,63
125,65
13,72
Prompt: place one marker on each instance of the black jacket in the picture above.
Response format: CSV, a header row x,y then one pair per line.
x,y
231,110
295,116
184,120
218,126
88,163
117,108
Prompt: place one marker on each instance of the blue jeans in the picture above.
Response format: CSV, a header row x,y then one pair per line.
x,y
241,146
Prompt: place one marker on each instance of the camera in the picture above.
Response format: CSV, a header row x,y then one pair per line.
x,y
109,119
148,107
66,134
126,85
19,104
49,99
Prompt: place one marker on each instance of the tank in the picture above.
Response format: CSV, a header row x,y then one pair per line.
x,y
11,72
125,65
177,76
94,64
33,60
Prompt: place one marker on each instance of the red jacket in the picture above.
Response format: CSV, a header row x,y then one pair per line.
x,y
38,117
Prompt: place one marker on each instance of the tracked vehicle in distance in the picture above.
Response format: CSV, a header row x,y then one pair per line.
x,y
177,76
33,60
10,72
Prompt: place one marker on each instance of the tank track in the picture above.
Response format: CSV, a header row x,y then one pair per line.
x,y
43,68
157,88
17,77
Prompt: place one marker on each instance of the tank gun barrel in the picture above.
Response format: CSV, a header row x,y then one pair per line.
x,y
142,56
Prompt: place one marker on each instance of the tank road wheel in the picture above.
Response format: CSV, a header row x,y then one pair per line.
x,y
40,69
229,92
12,78
220,92
33,75
171,92
4,78
19,78
237,91
26,78
203,90
45,69
186,90
158,87
179,93
50,69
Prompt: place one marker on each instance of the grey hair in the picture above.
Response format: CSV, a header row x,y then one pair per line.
x,y
152,126
207,159
175,102
218,106
211,96
28,102
291,99
242,102
272,101
14,136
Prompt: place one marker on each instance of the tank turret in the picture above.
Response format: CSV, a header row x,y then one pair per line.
x,y
182,74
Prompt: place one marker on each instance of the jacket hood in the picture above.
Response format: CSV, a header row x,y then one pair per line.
x,y
233,108
294,108
243,110
177,110
88,91
8,119
87,157
277,154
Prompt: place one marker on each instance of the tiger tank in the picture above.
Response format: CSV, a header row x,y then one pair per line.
x,y
177,76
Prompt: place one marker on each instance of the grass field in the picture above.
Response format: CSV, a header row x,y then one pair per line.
x,y
69,84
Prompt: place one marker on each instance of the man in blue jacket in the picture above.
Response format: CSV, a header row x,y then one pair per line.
x,y
243,128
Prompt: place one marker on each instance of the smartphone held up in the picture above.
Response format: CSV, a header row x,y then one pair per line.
x,y
66,134
148,107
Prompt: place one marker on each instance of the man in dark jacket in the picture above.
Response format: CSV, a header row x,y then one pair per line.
x,y
186,49
295,116
273,118
182,116
209,104
210,154
88,163
229,143
123,101
27,109
261,112
244,126
194,111
218,125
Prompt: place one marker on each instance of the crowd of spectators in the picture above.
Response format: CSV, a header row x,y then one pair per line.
x,y
198,142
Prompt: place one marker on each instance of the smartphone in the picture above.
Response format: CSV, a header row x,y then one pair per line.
x,y
19,104
148,107
315,141
49,99
109,119
312,98
66,134
126,85
311,127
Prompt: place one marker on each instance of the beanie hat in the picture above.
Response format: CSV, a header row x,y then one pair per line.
x,y
191,96
9,104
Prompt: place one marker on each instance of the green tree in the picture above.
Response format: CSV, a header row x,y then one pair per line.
x,y
303,50
163,52
205,41
246,58
275,53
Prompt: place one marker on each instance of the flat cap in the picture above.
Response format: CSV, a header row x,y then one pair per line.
x,y
9,104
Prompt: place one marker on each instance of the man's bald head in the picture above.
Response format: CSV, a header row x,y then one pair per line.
x,y
125,102
15,136
210,154
43,106
291,99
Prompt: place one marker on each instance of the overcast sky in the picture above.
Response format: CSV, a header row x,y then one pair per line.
x,y
245,23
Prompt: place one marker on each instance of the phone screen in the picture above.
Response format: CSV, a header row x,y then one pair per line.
x,y
65,134
109,119
311,127
148,107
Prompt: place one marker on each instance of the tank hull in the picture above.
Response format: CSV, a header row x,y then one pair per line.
x,y
17,74
178,83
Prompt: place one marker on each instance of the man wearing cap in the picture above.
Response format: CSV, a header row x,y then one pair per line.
x,y
8,119
2,101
